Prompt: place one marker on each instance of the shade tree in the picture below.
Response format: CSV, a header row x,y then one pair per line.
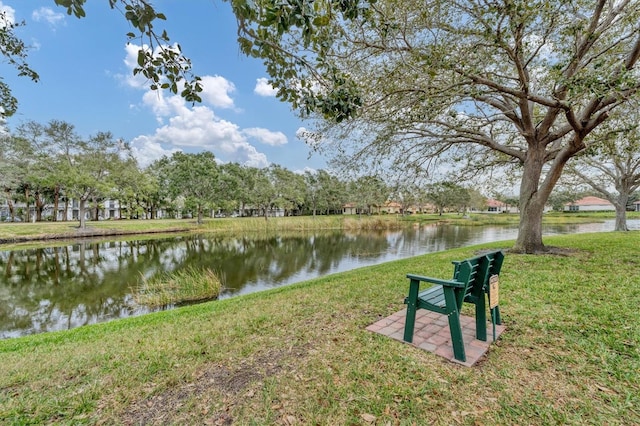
x,y
406,192
194,177
9,171
519,83
369,193
89,173
612,166
232,187
324,192
62,141
40,179
290,188
448,195
263,192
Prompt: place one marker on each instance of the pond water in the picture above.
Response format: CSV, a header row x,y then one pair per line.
x,y
86,282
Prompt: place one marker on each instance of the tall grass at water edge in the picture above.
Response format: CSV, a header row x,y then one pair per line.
x,y
171,288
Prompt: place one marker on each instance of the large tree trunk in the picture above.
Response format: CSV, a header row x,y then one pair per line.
x,y
532,201
199,215
7,193
95,211
530,230
621,212
56,202
535,191
81,207
12,212
39,206
27,194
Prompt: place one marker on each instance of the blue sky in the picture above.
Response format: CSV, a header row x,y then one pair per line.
x,y
86,80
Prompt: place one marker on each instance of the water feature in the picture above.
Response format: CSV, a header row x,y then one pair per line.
x,y
84,282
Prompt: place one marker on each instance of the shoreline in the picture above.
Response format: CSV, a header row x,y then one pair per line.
x,y
88,233
19,233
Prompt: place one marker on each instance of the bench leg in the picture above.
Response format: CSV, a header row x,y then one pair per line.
x,y
456,337
453,316
412,303
495,315
481,318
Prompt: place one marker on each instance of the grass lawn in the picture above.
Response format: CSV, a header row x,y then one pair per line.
x,y
301,354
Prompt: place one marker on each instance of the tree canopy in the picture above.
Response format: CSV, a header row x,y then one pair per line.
x,y
510,82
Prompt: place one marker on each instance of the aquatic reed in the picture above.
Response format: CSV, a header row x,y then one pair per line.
x,y
172,288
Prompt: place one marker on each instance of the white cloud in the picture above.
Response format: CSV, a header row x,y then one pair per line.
x,y
7,15
301,132
199,128
266,136
162,106
184,126
263,88
146,150
215,91
47,14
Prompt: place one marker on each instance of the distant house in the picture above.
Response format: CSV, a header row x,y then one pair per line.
x,y
589,204
391,207
495,206
421,209
350,208
636,206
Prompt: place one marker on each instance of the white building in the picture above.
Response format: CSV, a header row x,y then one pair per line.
x,y
589,204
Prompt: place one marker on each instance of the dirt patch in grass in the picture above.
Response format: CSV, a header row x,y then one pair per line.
x,y
215,390
561,251
548,250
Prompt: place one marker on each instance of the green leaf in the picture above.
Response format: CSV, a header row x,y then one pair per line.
x,y
142,57
321,20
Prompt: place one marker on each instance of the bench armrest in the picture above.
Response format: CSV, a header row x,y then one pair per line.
x,y
447,283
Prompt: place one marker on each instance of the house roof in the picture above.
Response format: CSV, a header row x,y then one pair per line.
x,y
590,201
495,203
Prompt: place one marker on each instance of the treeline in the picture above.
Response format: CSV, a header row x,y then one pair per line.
x,y
50,165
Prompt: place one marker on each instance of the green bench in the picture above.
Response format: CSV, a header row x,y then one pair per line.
x,y
470,283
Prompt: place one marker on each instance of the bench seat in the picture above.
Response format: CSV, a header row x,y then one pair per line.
x,y
434,296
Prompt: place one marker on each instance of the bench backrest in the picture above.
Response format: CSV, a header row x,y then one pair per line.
x,y
476,273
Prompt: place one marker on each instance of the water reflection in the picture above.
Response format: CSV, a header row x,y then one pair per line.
x,y
86,282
